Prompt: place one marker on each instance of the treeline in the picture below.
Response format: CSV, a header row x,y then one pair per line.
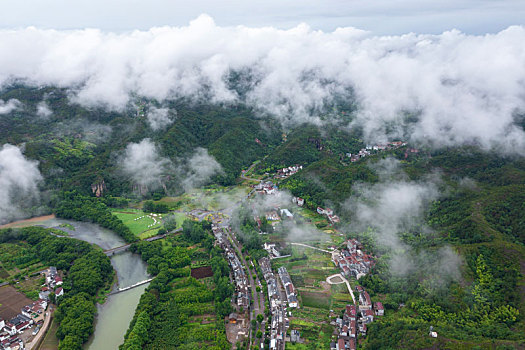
x,y
86,270
76,206
152,207
161,319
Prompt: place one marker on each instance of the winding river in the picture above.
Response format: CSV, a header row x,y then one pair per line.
x,y
115,314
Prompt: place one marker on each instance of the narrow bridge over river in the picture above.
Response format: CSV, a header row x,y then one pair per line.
x,y
119,290
125,247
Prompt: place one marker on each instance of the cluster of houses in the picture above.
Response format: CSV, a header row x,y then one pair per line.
x,y
53,284
267,187
329,213
30,314
363,152
353,261
273,215
271,248
409,151
298,200
288,171
355,320
291,293
277,307
242,287
9,339
10,330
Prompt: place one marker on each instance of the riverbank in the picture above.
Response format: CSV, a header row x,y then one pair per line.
x,y
114,312
28,222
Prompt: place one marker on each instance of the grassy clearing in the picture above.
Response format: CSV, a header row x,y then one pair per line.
x,y
301,322
179,218
138,227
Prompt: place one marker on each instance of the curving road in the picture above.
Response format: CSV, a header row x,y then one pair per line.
x,y
244,177
43,330
343,280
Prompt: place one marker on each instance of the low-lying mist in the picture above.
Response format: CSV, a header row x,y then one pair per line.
x,y
447,89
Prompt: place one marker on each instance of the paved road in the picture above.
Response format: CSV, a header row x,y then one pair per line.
x,y
244,177
343,280
43,330
258,309
309,246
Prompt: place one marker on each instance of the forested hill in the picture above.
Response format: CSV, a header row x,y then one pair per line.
x,y
77,147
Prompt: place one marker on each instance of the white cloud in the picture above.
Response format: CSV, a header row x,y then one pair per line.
x,y
159,118
199,169
9,106
43,110
465,88
144,165
19,178
395,206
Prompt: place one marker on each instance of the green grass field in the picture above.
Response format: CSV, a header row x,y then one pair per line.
x,y
138,227
316,299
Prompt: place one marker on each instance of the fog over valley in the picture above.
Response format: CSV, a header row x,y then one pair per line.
x,y
446,89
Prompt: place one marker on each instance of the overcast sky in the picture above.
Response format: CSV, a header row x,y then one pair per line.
x,y
378,16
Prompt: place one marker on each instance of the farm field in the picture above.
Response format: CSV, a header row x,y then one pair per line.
x,y
201,272
318,334
311,265
11,302
18,263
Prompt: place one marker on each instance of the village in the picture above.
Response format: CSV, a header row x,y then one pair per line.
x,y
368,150
275,308
23,330
351,260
